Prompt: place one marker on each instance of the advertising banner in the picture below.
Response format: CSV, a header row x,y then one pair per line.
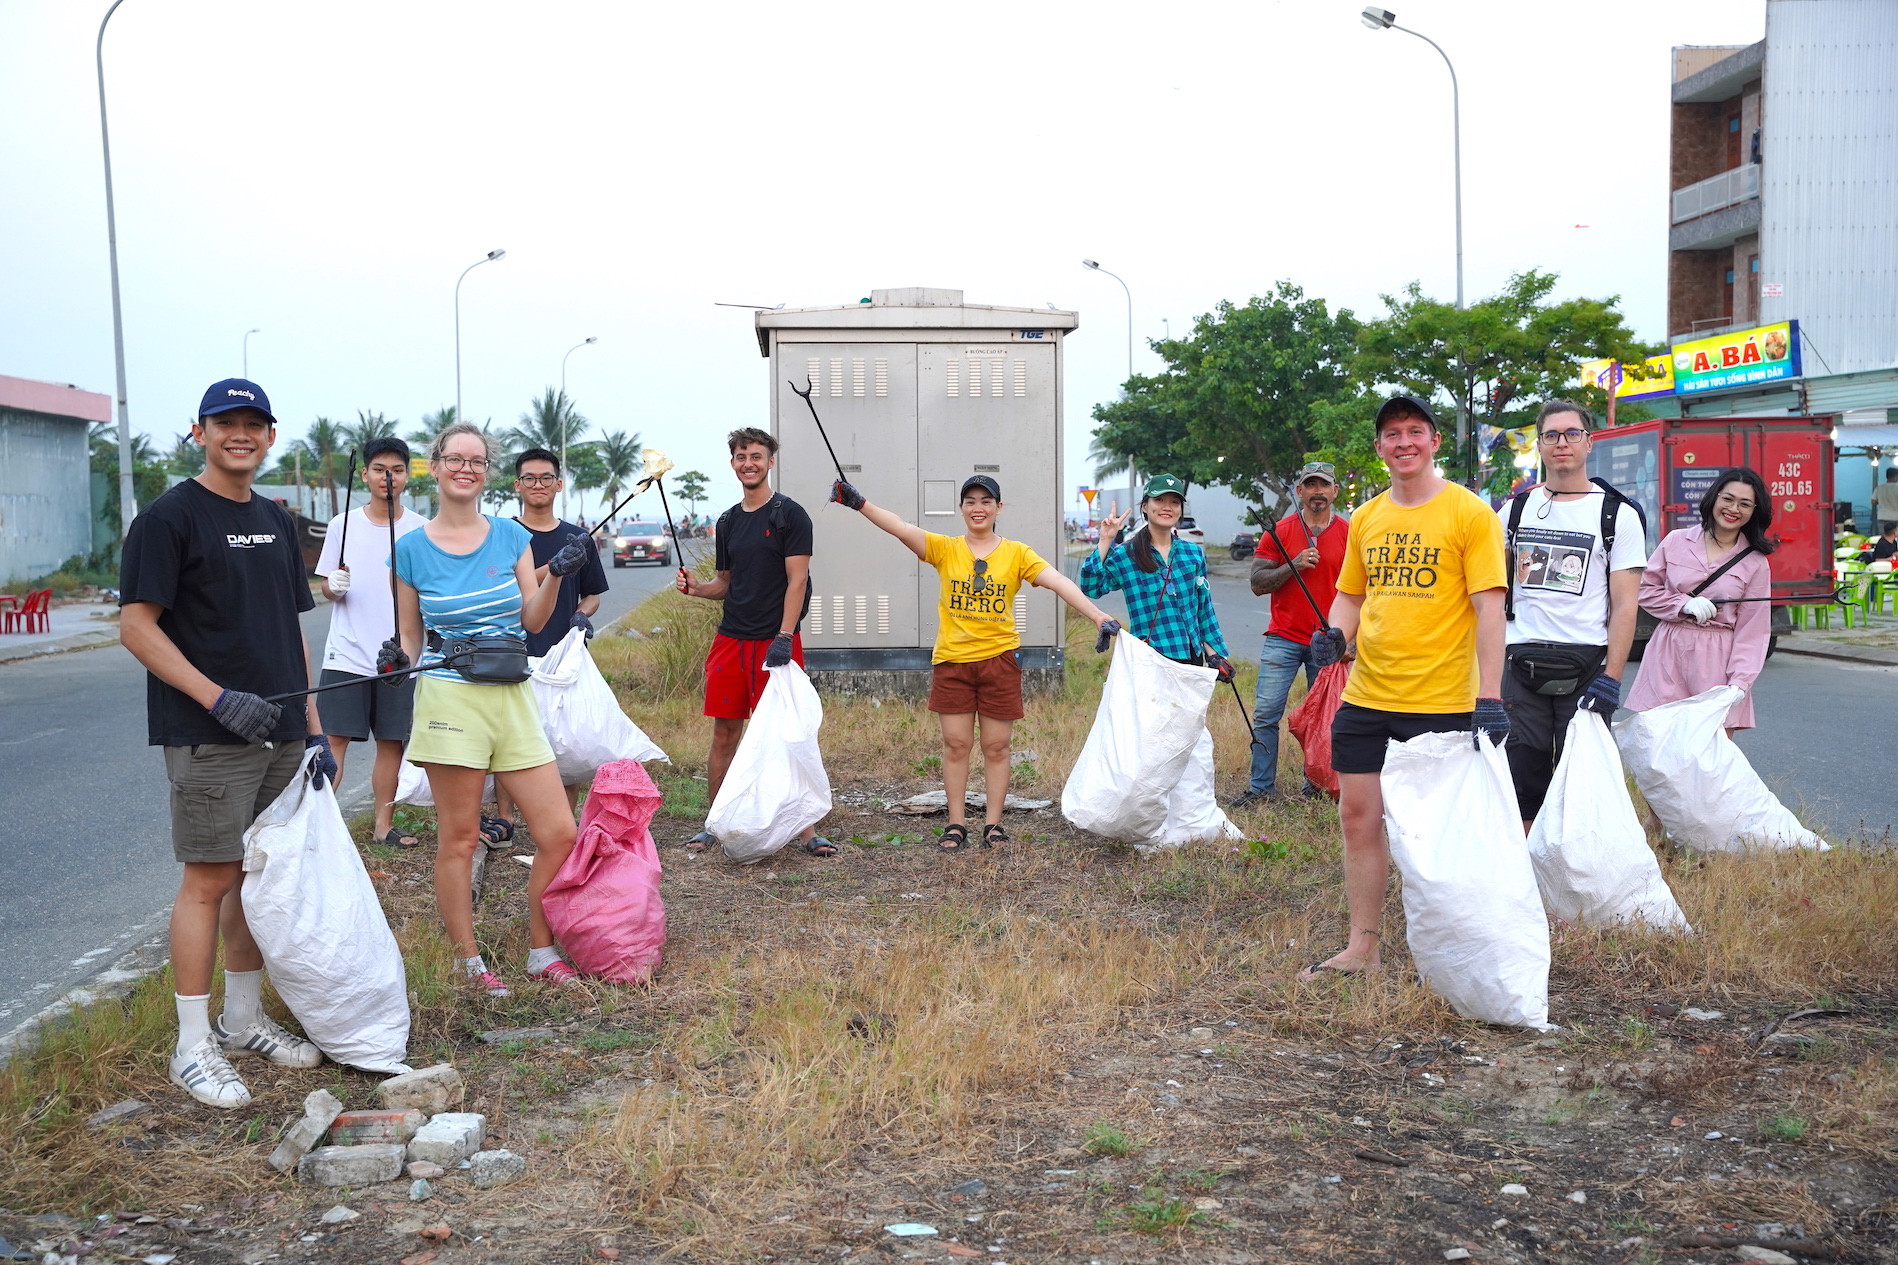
x,y
1743,358
1659,382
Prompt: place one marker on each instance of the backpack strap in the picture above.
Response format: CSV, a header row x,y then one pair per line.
x,y
1516,503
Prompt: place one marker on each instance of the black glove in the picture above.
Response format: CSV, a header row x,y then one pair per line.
x,y
1327,646
846,495
1490,717
246,715
1222,665
1603,695
572,556
581,622
780,652
1108,628
392,658
323,768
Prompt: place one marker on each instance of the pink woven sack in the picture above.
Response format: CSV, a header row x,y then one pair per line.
x,y
603,903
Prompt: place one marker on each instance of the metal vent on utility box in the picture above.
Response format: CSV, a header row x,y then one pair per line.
x,y
882,377
1021,613
814,622
856,377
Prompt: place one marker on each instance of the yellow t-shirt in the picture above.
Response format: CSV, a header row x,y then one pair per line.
x,y
1416,568
978,610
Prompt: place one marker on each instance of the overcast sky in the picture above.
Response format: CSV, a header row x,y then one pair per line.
x,y
324,172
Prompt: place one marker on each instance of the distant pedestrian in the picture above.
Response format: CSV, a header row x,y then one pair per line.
x,y
1707,637
213,583
362,620
763,577
1321,532
975,669
1885,500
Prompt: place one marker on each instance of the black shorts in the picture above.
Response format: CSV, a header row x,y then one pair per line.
x,y
382,709
1359,734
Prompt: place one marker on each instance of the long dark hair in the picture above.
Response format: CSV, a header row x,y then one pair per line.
x,y
1754,529
1140,544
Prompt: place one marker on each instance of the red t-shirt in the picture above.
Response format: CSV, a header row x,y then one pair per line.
x,y
1292,616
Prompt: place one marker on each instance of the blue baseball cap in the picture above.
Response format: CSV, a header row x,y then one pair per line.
x,y
234,393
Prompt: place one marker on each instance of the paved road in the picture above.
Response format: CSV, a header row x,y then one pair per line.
x,y
89,855
1816,744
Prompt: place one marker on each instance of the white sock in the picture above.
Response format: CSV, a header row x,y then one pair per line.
x,y
243,998
473,966
194,1020
539,960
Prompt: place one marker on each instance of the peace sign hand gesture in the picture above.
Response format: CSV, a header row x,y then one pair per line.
x,y
1110,527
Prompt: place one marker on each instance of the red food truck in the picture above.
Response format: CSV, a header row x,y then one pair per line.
x,y
1667,464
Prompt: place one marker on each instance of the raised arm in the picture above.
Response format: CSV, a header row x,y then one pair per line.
x,y
540,589
912,536
1050,578
1104,571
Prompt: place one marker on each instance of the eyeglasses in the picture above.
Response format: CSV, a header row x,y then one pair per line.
x,y
1553,437
537,480
455,461
1733,502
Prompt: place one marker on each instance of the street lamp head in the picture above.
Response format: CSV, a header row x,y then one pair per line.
x,y
1377,19
258,330
591,340
502,254
1090,263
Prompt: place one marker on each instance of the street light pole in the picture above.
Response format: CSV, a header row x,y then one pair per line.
x,y
128,506
247,334
489,258
565,409
1133,469
1383,19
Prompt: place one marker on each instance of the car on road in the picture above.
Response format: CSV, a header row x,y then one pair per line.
x,y
642,542
1190,530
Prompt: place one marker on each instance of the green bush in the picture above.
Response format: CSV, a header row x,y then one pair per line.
x,y
74,574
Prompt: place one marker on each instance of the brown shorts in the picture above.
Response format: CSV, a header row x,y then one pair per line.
x,y
987,687
218,789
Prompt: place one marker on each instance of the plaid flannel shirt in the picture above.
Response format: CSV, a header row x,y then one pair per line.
x,y
1180,624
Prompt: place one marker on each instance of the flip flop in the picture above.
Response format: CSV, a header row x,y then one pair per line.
x,y
1312,972
395,839
701,842
818,846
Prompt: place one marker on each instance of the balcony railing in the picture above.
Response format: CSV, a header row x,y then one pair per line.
x,y
1716,192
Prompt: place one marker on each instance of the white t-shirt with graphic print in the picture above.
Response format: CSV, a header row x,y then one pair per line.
x,y
1560,576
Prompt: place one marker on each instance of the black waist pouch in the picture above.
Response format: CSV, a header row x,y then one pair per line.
x,y
485,660
1549,667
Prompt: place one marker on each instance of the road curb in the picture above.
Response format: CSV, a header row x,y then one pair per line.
x,y
89,640
1870,656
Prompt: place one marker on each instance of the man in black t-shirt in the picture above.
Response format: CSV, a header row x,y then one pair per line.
x,y
212,581
763,565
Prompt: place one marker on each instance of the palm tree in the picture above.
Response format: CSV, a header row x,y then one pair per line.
x,y
368,426
315,456
186,456
432,425
549,418
620,461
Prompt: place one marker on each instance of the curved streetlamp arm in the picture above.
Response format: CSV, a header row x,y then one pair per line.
x,y
1456,148
565,409
489,258
128,506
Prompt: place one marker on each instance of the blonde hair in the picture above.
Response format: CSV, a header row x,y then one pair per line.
x,y
436,449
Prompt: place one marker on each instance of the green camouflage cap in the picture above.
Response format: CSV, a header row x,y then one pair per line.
x,y
1160,484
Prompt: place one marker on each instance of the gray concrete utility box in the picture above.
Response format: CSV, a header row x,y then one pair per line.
x,y
918,390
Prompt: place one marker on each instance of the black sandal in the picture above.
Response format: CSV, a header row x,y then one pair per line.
x,y
955,837
397,838
497,831
818,846
994,833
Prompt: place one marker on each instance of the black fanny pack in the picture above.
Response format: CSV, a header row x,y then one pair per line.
x,y
1548,667
484,660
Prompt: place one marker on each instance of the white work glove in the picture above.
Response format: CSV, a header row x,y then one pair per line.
x,y
339,581
1698,609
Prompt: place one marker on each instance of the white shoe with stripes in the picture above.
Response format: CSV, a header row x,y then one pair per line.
x,y
205,1074
265,1038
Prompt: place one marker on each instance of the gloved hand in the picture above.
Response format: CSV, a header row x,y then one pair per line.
x,y
391,657
1327,646
846,495
1490,718
339,582
780,652
323,768
1602,694
1220,664
246,715
581,622
1108,628
572,556
1698,609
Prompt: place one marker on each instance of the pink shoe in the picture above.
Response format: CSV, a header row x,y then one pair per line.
x,y
491,982
557,972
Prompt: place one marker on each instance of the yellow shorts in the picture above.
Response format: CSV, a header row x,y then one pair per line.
x,y
491,727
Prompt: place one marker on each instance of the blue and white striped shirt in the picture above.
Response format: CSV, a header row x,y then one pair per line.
x,y
465,594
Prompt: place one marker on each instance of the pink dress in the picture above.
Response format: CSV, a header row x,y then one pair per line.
x,y
1684,658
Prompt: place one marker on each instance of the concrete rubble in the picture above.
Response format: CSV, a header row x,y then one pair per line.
x,y
356,1128
351,1165
320,1108
431,1090
449,1138
495,1168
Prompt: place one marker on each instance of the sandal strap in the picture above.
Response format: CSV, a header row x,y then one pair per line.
x,y
956,831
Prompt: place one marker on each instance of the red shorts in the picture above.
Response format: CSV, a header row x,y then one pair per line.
x,y
735,676
987,687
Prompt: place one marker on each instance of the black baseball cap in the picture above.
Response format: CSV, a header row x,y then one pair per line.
x,y
982,481
234,393
1403,404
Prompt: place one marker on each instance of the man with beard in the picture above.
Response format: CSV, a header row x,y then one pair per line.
x,y
763,577
1287,643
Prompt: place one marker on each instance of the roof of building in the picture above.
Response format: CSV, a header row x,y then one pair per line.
x,y
911,307
1722,80
59,399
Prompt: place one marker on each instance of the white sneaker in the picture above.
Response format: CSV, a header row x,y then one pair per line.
x,y
205,1074
267,1039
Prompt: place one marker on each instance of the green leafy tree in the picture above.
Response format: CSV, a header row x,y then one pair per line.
x,y
150,471
367,426
321,458
421,439
542,425
1144,430
692,486
1497,359
620,462
186,456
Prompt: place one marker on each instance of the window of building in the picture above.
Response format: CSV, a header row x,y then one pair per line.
x,y
1726,300
1753,286
1733,140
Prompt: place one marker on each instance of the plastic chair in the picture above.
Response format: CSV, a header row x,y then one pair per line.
x,y
33,615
